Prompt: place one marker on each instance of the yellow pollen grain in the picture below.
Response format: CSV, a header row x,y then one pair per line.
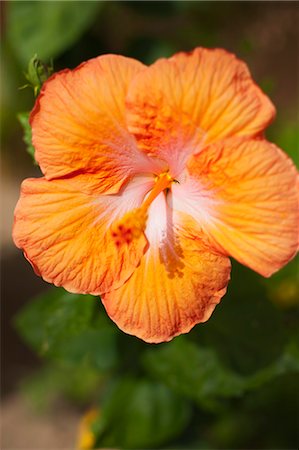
x,y
133,223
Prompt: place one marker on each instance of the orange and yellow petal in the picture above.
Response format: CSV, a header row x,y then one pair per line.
x,y
78,123
63,227
177,284
244,193
178,105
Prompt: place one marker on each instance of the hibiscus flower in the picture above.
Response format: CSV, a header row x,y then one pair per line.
x,y
153,177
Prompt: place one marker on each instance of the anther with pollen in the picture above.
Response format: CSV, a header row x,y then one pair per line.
x,y
133,223
129,227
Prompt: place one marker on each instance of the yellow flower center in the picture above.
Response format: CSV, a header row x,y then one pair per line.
x,y
133,223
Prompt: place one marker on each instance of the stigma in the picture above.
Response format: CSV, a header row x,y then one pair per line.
x,y
133,223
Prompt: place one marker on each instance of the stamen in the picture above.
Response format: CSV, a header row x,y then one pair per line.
x,y
133,223
129,227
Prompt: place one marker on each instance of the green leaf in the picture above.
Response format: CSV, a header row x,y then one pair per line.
x,y
47,28
27,134
288,363
54,316
241,328
95,346
69,328
193,371
37,73
198,373
140,414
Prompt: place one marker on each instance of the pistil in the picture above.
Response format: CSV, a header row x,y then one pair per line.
x,y
133,223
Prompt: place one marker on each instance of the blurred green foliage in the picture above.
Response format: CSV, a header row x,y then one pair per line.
x,y
286,136
230,383
140,413
71,330
47,28
23,118
168,394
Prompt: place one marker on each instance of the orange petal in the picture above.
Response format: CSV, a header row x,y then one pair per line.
x,y
178,104
63,228
246,200
177,285
78,123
